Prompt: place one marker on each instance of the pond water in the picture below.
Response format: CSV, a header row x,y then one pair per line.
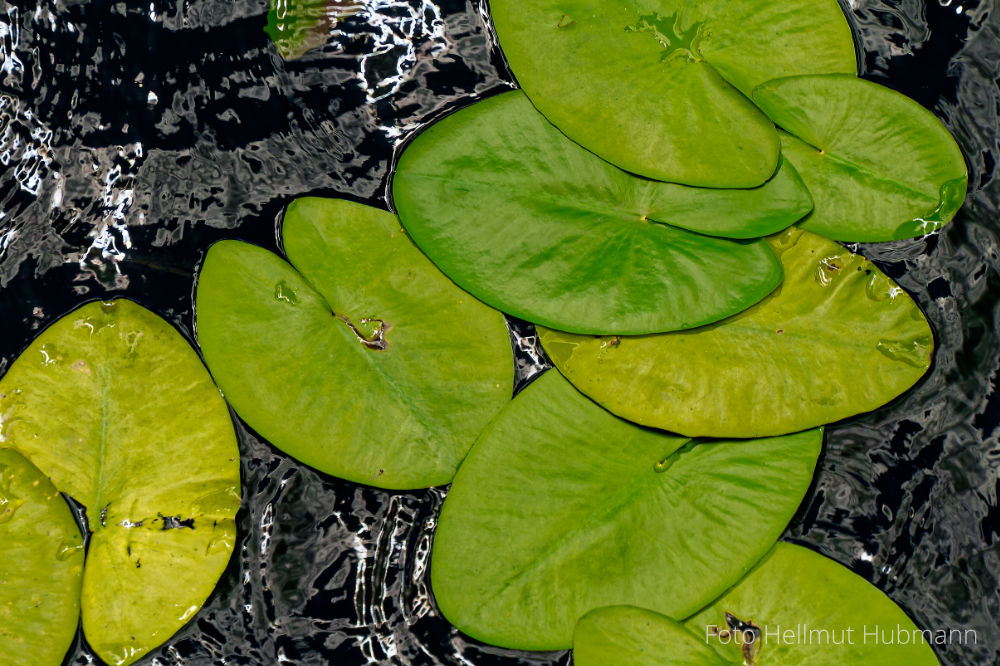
x,y
134,135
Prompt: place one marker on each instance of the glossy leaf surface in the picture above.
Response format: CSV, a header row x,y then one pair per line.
x,y
630,636
658,87
41,566
804,604
879,166
836,339
369,364
116,408
540,228
561,508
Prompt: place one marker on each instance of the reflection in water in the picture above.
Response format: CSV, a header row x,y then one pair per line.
x,y
133,135
395,33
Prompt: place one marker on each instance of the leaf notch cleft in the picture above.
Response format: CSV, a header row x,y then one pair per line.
x,y
370,332
743,633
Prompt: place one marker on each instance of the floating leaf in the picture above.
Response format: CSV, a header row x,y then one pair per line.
x,y
655,87
836,339
561,508
41,566
880,166
116,408
629,636
369,365
296,26
810,610
538,227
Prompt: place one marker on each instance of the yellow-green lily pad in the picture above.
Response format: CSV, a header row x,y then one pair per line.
x,y
880,167
367,362
836,339
41,566
114,406
561,508
807,609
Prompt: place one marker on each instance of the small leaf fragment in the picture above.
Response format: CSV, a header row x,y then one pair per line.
x,y
298,26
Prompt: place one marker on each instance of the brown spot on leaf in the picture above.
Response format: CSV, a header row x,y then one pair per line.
x,y
613,342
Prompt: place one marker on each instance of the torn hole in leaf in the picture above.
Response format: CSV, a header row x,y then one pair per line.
x,y
174,522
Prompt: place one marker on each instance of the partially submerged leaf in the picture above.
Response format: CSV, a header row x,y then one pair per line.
x,y
367,363
811,610
41,566
540,228
659,88
630,636
116,408
297,26
879,166
562,508
836,339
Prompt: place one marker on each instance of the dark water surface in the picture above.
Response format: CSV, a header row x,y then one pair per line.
x,y
133,135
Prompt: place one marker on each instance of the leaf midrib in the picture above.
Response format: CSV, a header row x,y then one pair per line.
x,y
852,167
95,522
580,204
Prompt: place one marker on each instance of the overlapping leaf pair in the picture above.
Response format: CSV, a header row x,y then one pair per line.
x,y
113,406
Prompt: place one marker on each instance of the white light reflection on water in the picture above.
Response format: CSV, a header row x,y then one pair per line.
x,y
395,34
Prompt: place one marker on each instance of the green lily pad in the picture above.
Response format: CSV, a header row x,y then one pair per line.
x,y
810,610
536,226
880,166
297,26
116,408
836,339
629,636
561,508
659,87
367,363
41,566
